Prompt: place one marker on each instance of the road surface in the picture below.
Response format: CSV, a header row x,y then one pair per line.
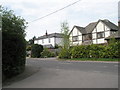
x,y
51,73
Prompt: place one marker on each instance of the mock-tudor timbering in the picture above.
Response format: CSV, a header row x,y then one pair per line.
x,y
94,33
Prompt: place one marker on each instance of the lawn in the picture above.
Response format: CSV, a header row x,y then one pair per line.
x,y
93,59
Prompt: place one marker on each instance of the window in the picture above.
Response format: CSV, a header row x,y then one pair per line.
x,y
49,40
112,32
75,38
42,40
100,34
87,37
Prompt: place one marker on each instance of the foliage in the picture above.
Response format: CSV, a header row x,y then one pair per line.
x,y
36,50
28,48
13,43
46,53
93,51
14,54
65,54
65,32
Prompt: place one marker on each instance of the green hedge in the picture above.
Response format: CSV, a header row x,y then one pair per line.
x,y
65,53
13,54
92,51
36,50
96,51
46,53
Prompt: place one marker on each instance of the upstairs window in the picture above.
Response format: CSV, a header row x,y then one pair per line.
x,y
112,32
75,38
100,35
87,37
42,40
49,40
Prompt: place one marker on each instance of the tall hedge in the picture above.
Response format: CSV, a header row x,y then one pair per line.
x,y
96,51
13,43
36,50
13,54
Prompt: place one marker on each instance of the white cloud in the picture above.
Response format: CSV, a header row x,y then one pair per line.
x,y
81,13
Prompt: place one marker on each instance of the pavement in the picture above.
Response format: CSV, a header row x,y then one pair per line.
x,y
51,73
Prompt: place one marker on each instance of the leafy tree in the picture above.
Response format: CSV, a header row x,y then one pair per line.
x,y
65,32
65,52
13,43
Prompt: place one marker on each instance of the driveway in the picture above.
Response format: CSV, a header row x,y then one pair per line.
x,y
51,73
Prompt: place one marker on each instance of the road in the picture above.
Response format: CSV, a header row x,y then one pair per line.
x,y
51,73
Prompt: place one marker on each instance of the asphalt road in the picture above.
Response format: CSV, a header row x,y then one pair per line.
x,y
51,73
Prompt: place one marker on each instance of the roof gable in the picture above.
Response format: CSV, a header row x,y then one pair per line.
x,y
80,29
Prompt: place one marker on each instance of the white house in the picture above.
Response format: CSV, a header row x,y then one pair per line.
x,y
93,33
49,40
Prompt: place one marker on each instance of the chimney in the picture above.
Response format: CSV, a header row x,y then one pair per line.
x,y
119,23
46,33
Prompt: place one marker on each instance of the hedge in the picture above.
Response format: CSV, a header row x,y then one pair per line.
x,y
65,53
92,51
96,51
36,50
46,53
13,54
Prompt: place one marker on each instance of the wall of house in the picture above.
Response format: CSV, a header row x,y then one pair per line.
x,y
46,41
101,27
52,41
75,32
59,41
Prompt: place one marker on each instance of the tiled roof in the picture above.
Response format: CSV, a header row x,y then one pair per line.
x,y
81,29
110,24
57,35
90,27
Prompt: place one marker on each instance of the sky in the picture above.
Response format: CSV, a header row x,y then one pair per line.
x,y
81,13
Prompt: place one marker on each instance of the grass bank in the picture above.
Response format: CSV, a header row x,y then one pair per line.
x,y
93,59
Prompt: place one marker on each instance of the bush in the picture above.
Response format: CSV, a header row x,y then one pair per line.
x,y
13,54
96,51
46,53
36,50
80,51
65,54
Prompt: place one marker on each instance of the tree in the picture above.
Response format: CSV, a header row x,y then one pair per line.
x,y
65,52
13,43
65,32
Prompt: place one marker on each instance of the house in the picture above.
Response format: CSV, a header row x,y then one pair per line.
x,y
49,40
93,33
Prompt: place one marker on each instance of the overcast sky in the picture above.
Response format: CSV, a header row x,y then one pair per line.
x,y
81,13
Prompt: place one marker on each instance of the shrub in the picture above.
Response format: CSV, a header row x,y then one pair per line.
x,y
65,54
36,50
96,51
80,51
46,53
13,54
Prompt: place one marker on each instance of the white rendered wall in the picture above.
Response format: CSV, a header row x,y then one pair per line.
x,y
101,27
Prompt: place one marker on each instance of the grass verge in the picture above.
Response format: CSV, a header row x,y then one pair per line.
x,y
93,59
